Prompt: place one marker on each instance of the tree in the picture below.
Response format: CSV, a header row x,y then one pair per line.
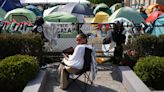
x,y
108,2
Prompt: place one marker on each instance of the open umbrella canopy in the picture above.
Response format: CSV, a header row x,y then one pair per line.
x,y
76,8
128,13
2,14
51,10
34,9
8,5
100,17
60,17
20,15
102,7
153,16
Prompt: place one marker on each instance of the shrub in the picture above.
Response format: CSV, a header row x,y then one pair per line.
x,y
146,44
13,44
160,45
16,71
151,71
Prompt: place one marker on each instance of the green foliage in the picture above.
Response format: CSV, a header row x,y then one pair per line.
x,y
107,2
145,44
12,44
151,71
160,46
16,71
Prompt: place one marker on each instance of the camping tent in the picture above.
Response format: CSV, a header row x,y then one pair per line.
x,y
128,13
100,17
153,16
156,28
102,7
151,8
20,15
60,17
115,7
34,9
2,14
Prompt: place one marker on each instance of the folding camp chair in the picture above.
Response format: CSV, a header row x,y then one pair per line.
x,y
86,67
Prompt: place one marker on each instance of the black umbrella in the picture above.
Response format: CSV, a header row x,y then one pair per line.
x,y
77,8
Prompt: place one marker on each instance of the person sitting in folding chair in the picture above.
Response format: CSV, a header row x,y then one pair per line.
x,y
74,63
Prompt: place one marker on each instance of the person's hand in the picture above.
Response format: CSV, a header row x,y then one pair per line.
x,y
66,56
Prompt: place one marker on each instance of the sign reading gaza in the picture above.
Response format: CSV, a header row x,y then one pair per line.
x,y
61,28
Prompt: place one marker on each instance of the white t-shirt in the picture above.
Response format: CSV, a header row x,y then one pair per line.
x,y
76,60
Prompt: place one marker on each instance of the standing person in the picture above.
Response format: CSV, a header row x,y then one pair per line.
x,y
38,25
73,63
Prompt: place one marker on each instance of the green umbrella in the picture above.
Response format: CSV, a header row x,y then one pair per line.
x,y
102,7
20,14
128,13
2,14
60,17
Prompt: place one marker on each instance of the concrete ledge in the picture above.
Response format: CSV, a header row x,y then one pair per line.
x,y
37,84
131,81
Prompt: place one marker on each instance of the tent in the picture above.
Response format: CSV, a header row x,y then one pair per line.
x,y
2,14
102,7
100,17
151,8
115,7
60,17
8,5
153,16
34,9
20,15
156,28
128,13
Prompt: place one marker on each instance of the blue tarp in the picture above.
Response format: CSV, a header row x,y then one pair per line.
x,y
157,28
8,5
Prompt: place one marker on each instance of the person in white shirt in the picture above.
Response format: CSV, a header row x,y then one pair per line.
x,y
73,63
